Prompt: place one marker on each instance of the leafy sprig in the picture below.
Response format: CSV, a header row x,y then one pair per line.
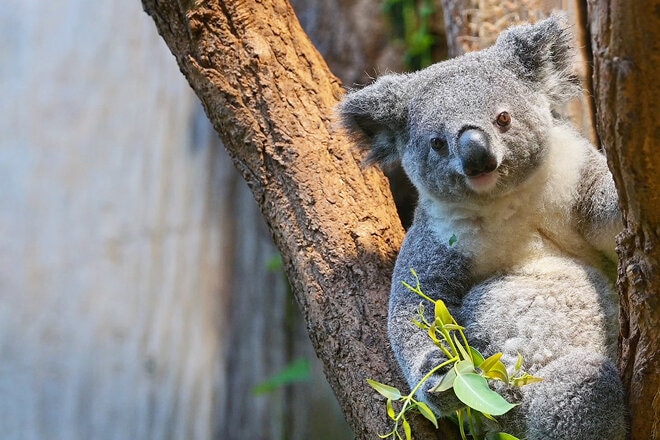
x,y
468,375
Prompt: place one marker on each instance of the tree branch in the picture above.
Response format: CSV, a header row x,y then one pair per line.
x,y
270,95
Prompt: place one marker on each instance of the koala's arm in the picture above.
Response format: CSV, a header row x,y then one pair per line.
x,y
443,274
597,206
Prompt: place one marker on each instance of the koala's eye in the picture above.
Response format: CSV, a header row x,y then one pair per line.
x,y
439,144
503,119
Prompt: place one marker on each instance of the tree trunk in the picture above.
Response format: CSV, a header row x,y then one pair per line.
x,y
627,90
352,44
271,96
351,35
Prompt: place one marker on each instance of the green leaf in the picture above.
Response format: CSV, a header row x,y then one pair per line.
x,y
519,362
390,409
461,422
297,371
497,372
274,263
477,357
525,379
445,383
432,335
490,362
489,417
420,325
452,240
453,327
500,436
408,286
407,430
442,312
464,366
427,413
385,390
473,391
462,350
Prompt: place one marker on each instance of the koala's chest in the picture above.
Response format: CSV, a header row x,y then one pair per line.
x,y
509,234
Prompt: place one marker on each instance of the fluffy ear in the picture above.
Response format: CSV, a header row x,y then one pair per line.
x,y
376,117
543,54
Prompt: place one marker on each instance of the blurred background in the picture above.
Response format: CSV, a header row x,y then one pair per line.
x,y
140,294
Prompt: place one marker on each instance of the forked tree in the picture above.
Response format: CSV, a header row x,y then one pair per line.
x,y
270,96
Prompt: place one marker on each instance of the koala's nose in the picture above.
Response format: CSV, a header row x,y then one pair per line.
x,y
475,153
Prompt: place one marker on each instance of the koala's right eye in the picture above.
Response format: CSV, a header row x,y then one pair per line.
x,y
439,144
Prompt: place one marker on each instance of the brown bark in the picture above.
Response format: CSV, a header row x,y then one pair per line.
x,y
271,97
626,45
352,36
475,24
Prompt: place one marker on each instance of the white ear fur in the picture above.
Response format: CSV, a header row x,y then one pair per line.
x,y
543,54
376,117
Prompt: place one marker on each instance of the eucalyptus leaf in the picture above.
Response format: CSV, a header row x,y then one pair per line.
x,y
390,409
500,436
296,371
427,413
489,362
432,335
408,286
497,372
489,417
461,349
472,389
464,366
477,357
442,312
407,430
445,383
525,379
385,390
420,325
519,362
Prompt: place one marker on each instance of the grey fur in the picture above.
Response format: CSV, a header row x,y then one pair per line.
x,y
532,270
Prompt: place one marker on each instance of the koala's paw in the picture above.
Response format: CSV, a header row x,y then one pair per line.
x,y
581,397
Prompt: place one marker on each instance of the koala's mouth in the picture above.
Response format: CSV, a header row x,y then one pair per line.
x,y
484,182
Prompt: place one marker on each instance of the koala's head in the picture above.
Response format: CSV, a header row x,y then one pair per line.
x,y
474,126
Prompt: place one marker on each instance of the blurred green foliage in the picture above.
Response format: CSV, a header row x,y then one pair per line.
x,y
411,22
296,371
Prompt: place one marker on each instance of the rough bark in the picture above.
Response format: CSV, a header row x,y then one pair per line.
x,y
271,97
475,24
352,36
626,45
353,43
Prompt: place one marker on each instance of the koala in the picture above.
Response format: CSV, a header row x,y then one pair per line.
x,y
534,213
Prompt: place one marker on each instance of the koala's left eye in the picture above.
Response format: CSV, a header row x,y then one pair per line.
x,y
503,120
439,144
